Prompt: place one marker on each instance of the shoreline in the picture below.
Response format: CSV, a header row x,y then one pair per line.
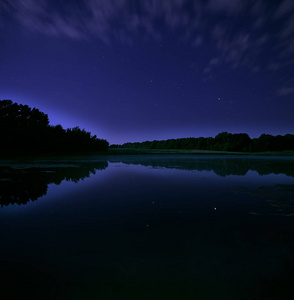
x,y
141,152
128,151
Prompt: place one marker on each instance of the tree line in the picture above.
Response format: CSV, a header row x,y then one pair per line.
x,y
240,142
27,130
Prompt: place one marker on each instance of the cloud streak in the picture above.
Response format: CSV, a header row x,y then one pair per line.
x,y
241,31
285,91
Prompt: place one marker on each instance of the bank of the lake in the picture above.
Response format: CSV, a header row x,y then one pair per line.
x,y
125,151
140,152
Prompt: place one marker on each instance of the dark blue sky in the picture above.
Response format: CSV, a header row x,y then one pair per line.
x,y
131,70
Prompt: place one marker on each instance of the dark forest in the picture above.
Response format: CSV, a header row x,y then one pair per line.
x,y
240,142
24,130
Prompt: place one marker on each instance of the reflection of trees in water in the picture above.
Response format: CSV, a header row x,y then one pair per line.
x,y
24,184
280,197
220,166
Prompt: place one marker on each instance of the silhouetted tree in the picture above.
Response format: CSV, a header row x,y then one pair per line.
x,y
25,130
240,142
222,141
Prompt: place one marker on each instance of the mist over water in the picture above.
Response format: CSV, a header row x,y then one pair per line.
x,y
148,227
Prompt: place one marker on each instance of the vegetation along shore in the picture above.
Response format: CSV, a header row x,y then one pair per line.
x,y
26,131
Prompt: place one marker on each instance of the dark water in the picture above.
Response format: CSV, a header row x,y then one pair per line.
x,y
147,227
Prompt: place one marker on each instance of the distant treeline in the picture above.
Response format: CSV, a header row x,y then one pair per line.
x,y
224,141
25,130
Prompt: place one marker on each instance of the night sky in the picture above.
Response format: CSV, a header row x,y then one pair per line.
x,y
135,70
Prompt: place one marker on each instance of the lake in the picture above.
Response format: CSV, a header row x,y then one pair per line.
x,y
147,227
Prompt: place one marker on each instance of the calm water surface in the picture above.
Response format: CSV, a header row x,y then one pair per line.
x,y
147,227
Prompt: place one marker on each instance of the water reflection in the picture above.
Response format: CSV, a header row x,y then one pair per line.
x,y
21,182
220,165
143,229
27,181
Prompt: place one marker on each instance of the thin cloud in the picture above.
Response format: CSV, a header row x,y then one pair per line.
x,y
288,29
275,66
226,6
285,91
130,20
284,8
